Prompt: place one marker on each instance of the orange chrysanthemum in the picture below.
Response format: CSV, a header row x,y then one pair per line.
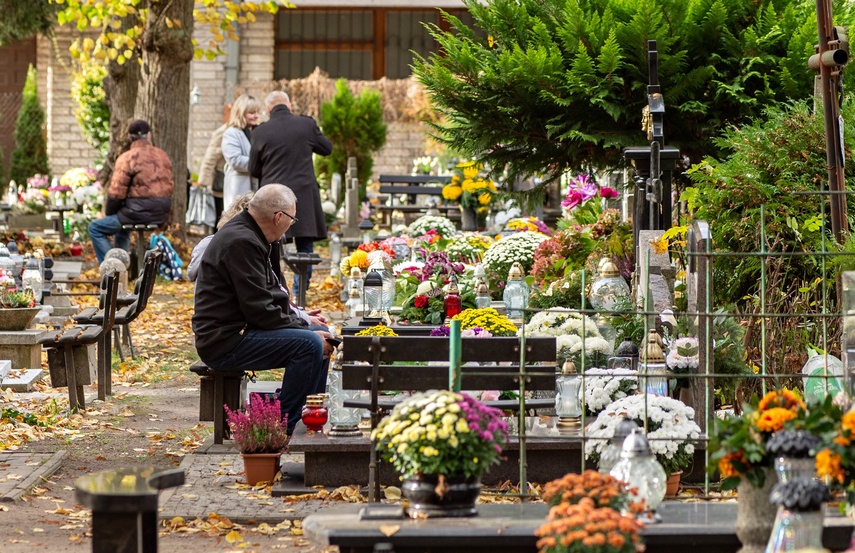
x,y
773,419
848,423
829,465
786,399
725,466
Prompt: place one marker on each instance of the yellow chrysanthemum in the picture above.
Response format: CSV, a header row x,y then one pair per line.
x,y
484,198
455,180
451,192
469,185
772,420
359,259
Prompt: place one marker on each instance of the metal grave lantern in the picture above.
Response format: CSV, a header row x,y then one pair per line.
x,y
516,292
482,296
32,278
641,472
353,307
611,455
652,367
609,289
366,228
344,421
372,299
568,404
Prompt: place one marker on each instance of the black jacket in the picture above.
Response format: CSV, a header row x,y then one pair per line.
x,y
238,289
281,153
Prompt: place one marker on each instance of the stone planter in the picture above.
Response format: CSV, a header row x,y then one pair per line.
x,y
36,221
755,515
17,318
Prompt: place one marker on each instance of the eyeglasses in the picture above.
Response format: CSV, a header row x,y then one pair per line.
x,y
293,219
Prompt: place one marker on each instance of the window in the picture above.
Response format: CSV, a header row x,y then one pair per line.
x,y
358,43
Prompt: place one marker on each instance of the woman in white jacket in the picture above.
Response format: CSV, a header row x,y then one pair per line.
x,y
244,116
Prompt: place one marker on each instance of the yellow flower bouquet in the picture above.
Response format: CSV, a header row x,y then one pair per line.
x,y
468,188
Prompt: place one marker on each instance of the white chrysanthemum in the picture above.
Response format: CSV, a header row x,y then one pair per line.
x,y
443,226
518,247
666,441
603,386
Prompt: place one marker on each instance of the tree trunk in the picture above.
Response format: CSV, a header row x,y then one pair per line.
x,y
164,92
120,88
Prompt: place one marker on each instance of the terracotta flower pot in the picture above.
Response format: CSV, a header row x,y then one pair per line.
x,y
673,485
260,467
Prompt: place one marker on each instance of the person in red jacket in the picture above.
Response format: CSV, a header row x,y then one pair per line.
x,y
140,192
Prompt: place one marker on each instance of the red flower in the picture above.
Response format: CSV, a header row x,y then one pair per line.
x,y
607,192
420,301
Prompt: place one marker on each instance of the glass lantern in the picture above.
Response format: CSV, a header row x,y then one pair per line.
x,y
479,274
32,279
628,350
799,522
611,455
568,405
609,289
335,253
353,306
372,299
482,296
516,292
652,366
6,261
642,473
380,262
344,421
452,304
366,228
355,278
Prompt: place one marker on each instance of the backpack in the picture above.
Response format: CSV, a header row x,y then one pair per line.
x,y
170,263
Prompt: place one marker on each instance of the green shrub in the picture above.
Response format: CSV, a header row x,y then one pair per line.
x,y
91,109
355,126
30,155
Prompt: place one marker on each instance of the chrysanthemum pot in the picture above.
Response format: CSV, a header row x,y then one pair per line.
x,y
17,318
437,495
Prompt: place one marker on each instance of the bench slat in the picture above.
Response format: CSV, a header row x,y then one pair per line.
x,y
414,179
422,348
394,377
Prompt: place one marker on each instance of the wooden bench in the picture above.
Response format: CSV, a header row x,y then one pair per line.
x,y
382,363
64,370
411,186
129,306
216,390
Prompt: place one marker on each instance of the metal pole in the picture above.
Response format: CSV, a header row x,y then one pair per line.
x,y
831,114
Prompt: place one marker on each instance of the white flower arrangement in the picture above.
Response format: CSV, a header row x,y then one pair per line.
x,y
670,424
683,355
518,247
603,386
443,226
573,332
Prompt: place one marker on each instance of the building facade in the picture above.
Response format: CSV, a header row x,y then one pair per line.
x,y
362,39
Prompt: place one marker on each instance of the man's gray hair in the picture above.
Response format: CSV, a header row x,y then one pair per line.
x,y
276,98
271,198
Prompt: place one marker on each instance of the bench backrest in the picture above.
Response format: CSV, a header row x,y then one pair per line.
x,y
387,357
107,300
413,179
148,277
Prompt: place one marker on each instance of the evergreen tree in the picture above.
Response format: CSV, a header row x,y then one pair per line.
x,y
30,155
544,87
25,19
355,126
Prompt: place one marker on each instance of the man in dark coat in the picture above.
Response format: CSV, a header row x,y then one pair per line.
x,y
243,317
281,152
140,191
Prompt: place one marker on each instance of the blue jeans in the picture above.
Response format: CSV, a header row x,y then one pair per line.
x,y
299,351
100,230
304,245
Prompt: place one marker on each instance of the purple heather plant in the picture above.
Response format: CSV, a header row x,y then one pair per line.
x,y
259,429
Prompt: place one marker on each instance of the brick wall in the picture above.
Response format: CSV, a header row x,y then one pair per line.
x,y
65,143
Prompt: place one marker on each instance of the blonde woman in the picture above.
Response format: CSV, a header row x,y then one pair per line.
x,y
236,207
244,116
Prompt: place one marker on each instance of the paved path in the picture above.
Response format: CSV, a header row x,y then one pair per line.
x,y
19,472
214,484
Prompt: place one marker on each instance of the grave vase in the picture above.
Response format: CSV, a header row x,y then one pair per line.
x,y
755,515
468,219
438,495
17,318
